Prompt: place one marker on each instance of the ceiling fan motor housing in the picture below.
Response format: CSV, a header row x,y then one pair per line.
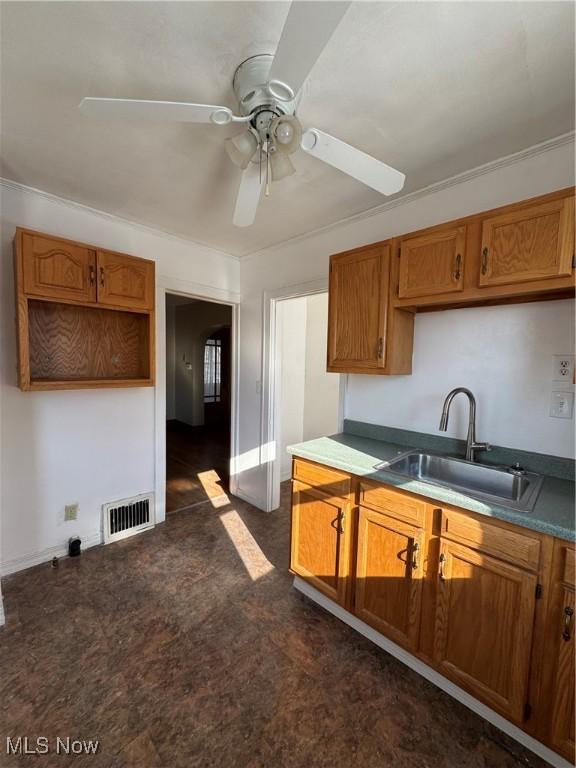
x,y
250,88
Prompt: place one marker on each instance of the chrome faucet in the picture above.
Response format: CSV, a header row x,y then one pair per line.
x,y
471,444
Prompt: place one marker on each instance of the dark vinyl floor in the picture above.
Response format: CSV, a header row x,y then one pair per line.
x,y
187,646
197,461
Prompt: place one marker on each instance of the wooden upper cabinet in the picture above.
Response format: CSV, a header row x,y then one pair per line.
x,y
533,243
563,710
57,268
125,281
320,540
432,263
358,302
389,576
484,626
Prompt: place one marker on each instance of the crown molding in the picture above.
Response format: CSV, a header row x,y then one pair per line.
x,y
502,162
63,201
537,149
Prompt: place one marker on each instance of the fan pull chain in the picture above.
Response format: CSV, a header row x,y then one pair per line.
x,y
260,164
267,188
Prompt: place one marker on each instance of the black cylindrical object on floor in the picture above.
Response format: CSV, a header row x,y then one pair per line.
x,y
74,544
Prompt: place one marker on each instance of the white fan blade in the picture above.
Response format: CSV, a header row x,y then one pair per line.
x,y
308,27
248,196
352,161
156,110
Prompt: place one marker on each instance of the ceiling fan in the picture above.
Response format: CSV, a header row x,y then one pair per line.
x,y
267,89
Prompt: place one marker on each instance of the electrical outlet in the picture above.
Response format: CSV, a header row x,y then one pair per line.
x,y
562,405
70,512
563,368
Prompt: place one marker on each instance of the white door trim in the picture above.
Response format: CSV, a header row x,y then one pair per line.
x,y
269,416
181,287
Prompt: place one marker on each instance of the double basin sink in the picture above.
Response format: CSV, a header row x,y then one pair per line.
x,y
510,487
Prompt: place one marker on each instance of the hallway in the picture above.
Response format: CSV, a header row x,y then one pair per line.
x,y
197,464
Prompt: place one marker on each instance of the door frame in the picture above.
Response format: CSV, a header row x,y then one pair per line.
x,y
191,290
270,411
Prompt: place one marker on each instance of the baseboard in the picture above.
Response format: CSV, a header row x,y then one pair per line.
x,y
431,675
45,555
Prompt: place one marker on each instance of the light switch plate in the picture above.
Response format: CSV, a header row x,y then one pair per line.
x,y
563,368
562,405
70,512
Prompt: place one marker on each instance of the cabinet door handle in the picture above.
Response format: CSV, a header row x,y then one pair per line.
x,y
380,347
442,566
342,518
457,267
485,261
415,551
92,275
568,613
102,276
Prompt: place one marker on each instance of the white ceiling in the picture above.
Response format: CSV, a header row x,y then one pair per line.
x,y
432,89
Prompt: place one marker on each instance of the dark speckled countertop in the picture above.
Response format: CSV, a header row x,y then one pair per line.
x,y
553,512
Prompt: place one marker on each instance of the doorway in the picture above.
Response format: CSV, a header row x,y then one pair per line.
x,y
198,401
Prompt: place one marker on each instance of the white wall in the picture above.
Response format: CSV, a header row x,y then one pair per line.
x,y
89,446
306,260
194,323
309,397
322,389
503,354
291,392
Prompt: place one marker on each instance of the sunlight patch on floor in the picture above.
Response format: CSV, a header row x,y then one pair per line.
x,y
255,561
211,483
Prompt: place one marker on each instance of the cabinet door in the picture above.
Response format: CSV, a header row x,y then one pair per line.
x,y
531,244
483,630
389,576
58,268
563,711
125,281
320,540
432,264
358,301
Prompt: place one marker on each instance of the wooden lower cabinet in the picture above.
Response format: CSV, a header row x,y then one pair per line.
x,y
320,544
484,624
488,605
559,688
389,576
563,712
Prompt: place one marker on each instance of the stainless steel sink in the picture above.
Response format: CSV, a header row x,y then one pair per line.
x,y
510,487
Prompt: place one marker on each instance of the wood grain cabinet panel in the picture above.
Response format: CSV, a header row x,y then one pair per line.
x,y
320,540
512,545
389,576
358,302
534,243
563,710
125,281
432,263
557,712
85,318
402,506
329,481
57,268
484,625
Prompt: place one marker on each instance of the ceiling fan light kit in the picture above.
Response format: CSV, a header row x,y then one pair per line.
x,y
267,89
242,148
280,166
